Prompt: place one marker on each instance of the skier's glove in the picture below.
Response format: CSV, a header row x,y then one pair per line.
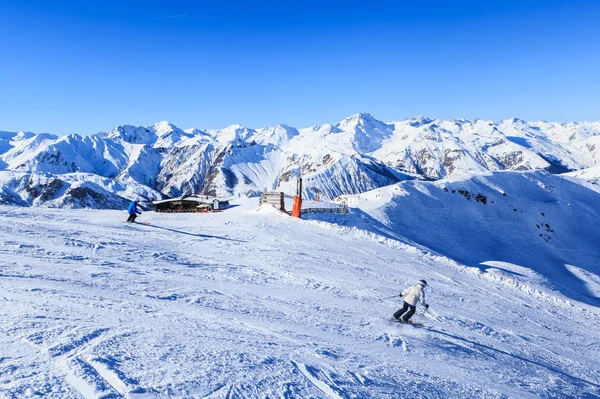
x,y
426,306
400,295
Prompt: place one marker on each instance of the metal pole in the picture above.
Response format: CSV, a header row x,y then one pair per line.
x,y
299,188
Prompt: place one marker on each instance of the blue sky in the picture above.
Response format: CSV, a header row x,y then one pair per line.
x,y
82,66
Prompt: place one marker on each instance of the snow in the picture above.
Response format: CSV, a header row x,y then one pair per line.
x,y
591,174
357,154
74,190
535,223
250,302
260,305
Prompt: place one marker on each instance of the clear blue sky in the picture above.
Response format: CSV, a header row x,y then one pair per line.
x,y
85,65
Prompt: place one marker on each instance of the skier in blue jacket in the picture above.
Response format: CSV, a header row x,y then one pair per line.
x,y
133,211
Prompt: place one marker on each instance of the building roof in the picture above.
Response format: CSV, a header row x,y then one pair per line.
x,y
200,199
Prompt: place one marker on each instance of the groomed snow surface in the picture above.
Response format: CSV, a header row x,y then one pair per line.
x,y
256,304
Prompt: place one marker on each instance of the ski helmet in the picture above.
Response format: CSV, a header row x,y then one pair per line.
x,y
423,282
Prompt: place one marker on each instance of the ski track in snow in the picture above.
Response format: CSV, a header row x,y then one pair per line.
x,y
247,304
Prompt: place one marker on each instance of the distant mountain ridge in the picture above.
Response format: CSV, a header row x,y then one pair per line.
x,y
357,154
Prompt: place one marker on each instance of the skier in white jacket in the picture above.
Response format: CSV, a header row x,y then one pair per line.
x,y
412,296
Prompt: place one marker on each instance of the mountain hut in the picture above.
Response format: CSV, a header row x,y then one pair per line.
x,y
190,203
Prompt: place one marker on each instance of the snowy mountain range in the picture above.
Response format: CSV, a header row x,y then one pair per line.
x,y
355,155
499,218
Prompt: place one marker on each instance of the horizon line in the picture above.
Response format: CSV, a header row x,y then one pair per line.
x,y
391,121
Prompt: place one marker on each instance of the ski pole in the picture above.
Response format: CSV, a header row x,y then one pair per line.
x,y
388,297
430,316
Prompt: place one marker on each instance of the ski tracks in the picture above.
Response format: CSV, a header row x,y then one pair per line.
x,y
69,357
90,377
309,372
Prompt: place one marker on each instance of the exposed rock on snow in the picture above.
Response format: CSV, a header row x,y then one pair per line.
x,y
76,190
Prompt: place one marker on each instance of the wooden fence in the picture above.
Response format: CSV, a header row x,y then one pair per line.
x,y
277,199
322,210
274,198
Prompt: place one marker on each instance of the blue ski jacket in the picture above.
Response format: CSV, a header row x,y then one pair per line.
x,y
133,208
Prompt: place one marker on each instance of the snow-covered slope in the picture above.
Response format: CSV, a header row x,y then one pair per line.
x,y
591,175
355,155
247,304
72,190
509,225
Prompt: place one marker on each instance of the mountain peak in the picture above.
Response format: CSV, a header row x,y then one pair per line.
x,y
133,134
359,116
518,120
418,121
23,135
165,127
361,120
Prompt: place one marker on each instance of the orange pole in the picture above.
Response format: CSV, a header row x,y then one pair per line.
x,y
296,209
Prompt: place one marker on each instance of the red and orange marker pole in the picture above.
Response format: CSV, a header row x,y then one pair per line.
x,y
297,208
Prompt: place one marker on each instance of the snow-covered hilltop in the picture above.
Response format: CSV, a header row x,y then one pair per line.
x,y
355,155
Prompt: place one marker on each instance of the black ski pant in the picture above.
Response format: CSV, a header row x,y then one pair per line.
x,y
406,312
132,217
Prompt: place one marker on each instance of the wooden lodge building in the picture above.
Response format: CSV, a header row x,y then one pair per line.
x,y
190,203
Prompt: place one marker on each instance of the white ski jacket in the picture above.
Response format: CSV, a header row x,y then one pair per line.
x,y
414,295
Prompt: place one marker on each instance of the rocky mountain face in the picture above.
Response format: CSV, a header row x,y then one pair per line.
x,y
355,155
71,190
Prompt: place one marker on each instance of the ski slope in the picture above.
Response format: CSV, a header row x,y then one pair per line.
x,y
509,225
255,304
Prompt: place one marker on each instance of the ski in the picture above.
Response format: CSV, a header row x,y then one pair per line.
x,y
410,322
